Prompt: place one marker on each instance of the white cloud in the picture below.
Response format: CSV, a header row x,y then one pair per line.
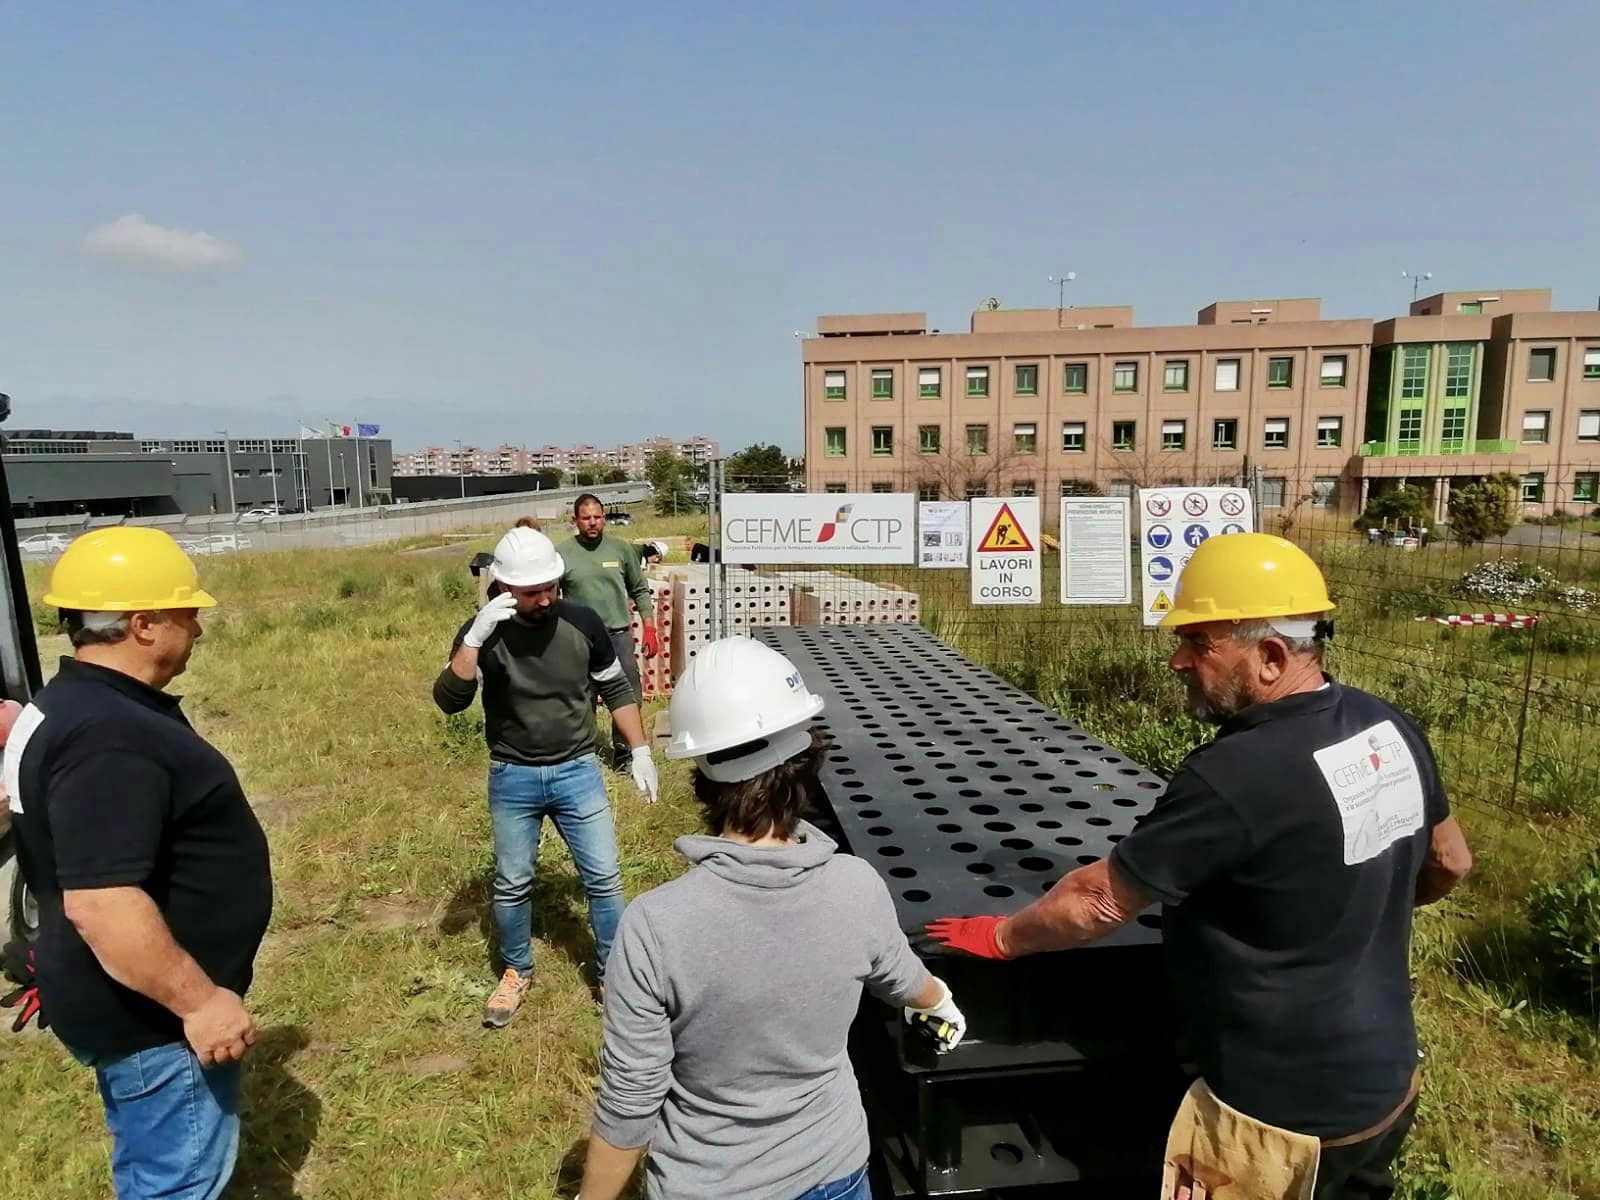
x,y
133,239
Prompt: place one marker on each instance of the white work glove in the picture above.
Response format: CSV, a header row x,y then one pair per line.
x,y
644,774
943,1022
502,608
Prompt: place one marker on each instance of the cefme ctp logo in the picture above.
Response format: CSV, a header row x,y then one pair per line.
x,y
863,527
1377,754
830,527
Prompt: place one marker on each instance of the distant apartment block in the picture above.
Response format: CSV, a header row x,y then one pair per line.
x,y
518,460
1058,401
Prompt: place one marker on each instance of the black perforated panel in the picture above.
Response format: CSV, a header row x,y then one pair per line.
x,y
967,794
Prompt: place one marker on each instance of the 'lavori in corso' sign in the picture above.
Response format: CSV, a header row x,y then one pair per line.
x,y
834,527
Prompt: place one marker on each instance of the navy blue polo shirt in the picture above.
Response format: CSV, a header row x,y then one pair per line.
x,y
1286,853
109,786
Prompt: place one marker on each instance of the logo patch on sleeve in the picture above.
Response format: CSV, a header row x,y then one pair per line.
x,y
1374,780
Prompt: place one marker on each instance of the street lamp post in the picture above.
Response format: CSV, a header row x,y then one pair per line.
x,y
1416,278
227,458
461,467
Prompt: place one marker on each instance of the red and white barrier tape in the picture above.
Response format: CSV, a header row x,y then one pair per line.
x,y
1500,620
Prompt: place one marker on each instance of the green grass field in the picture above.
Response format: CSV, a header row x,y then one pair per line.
x,y
373,1077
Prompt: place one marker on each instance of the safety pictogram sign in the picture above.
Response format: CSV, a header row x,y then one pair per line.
x,y
1208,512
1161,604
1005,535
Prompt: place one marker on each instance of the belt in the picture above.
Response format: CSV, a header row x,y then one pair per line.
x,y
1383,1126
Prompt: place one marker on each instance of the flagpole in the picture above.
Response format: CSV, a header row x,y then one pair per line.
x,y
328,442
361,501
272,465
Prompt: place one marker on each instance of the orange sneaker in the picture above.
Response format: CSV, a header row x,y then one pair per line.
x,y
507,999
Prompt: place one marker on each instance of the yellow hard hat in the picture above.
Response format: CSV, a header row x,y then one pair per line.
x,y
1247,577
125,569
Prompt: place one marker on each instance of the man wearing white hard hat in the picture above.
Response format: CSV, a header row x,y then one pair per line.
x,y
733,987
537,656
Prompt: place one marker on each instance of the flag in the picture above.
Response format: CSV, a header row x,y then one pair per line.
x,y
307,432
337,430
363,430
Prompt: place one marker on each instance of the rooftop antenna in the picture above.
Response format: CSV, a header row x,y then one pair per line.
x,y
1061,282
1416,278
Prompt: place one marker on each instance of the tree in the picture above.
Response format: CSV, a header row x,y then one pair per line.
x,y
1484,509
548,477
1400,507
669,475
615,475
587,474
757,468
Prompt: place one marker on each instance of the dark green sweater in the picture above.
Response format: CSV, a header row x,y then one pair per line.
x,y
602,575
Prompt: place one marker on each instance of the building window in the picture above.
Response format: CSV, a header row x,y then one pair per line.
x,y
1330,431
1275,435
1325,491
833,385
883,439
283,446
1078,487
834,440
1225,433
1273,489
241,472
882,487
976,491
1227,377
268,472
977,439
1335,368
977,381
1280,372
833,487
1123,434
1470,308
1453,429
1414,373
214,447
1586,486
186,447
930,383
882,383
1125,377
1458,370
1410,430
1075,378
927,439
1533,487
250,446
1025,437
1536,427
1122,487
1542,364
151,447
1072,435
1589,425
1177,375
1591,363
1028,379
1173,435
1023,487
928,489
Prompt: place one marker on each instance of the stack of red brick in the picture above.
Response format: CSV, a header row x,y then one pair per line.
x,y
655,674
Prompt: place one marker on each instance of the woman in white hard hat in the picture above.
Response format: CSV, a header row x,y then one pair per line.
x,y
731,989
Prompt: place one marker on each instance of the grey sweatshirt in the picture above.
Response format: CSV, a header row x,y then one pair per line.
x,y
729,996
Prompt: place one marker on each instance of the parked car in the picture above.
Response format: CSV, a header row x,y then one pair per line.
x,y
619,518
259,514
44,543
221,543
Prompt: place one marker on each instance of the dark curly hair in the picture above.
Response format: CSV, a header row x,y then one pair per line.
x,y
771,804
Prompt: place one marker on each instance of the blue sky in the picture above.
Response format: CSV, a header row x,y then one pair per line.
x,y
492,222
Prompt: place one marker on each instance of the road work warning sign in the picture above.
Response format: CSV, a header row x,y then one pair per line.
x,y
1005,551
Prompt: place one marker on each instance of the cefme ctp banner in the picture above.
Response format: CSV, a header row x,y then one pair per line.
x,y
834,527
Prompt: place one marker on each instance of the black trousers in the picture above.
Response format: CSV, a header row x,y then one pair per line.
x,y
1362,1171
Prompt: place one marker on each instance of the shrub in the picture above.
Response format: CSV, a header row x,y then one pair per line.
x,y
1506,581
1402,506
1483,510
1565,917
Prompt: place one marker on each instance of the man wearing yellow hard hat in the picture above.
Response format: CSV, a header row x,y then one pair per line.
x,y
1288,854
150,869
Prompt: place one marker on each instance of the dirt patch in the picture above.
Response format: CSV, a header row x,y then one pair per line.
x,y
393,912
437,1064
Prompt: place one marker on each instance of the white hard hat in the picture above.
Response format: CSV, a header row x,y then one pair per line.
x,y
657,548
737,692
526,558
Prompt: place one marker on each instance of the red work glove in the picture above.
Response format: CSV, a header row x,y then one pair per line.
x,y
975,935
19,968
652,640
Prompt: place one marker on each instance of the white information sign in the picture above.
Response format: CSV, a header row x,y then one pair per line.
x,y
942,533
1096,550
1005,551
861,527
1173,521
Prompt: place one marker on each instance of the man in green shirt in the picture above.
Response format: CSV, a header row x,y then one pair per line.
x,y
603,574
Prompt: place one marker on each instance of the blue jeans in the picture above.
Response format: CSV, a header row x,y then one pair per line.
x,y
852,1187
573,795
174,1124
